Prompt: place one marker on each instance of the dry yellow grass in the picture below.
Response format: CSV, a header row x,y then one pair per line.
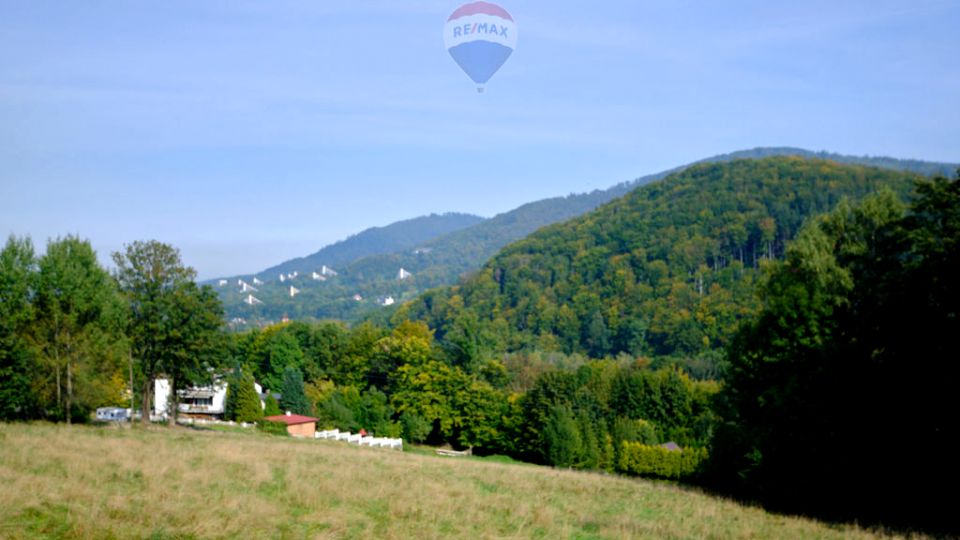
x,y
88,482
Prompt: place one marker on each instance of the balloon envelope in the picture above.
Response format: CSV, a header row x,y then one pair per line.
x,y
480,37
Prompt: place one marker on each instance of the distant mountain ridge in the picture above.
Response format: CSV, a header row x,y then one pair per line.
x,y
443,258
397,236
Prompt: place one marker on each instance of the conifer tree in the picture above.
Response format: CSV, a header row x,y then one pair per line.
x,y
243,403
292,395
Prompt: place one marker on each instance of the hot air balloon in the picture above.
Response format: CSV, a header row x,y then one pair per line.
x,y
480,37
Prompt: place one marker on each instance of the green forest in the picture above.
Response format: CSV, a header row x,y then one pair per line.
x,y
779,330
669,270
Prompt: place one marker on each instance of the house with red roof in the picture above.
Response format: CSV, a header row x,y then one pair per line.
x,y
297,425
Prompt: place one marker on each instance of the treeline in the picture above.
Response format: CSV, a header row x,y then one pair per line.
x,y
563,411
73,337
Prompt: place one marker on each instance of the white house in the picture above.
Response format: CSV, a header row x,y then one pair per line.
x,y
403,274
294,291
327,271
386,301
201,401
198,401
251,300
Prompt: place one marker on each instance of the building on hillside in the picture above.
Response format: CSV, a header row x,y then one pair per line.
x,y
294,291
403,274
207,402
252,300
222,283
297,425
257,281
318,277
386,301
327,271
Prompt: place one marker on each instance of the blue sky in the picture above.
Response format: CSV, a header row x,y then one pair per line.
x,y
248,132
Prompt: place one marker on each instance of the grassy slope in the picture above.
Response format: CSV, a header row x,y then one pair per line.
x,y
86,482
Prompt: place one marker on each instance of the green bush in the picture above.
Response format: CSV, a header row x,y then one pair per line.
x,y
273,428
271,406
657,461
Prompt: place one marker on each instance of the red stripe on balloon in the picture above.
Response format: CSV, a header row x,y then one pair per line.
x,y
480,8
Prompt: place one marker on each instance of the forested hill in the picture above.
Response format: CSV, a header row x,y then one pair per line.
x,y
448,257
668,269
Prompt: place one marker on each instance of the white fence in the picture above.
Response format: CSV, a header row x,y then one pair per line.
x,y
360,440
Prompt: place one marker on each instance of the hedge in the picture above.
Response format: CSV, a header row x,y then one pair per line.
x,y
645,460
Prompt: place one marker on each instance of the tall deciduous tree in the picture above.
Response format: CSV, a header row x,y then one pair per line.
x,y
152,276
17,286
78,326
194,341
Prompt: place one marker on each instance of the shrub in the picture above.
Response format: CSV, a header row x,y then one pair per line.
x,y
273,428
657,461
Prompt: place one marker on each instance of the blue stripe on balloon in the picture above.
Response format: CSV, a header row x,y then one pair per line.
x,y
480,59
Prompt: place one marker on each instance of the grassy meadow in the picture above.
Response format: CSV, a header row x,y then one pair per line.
x,y
112,482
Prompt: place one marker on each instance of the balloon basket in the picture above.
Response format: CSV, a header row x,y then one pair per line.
x,y
479,89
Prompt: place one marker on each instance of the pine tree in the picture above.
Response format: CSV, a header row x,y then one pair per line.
x,y
293,398
242,400
562,437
